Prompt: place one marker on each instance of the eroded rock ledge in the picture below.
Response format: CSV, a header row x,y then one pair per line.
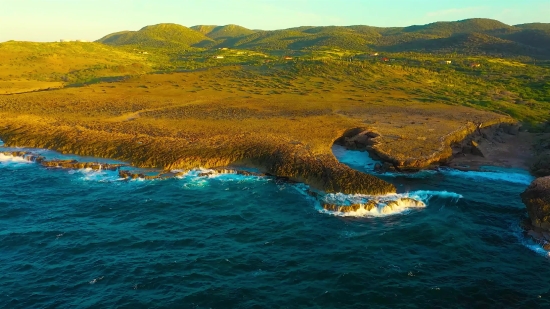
x,y
289,160
441,150
537,200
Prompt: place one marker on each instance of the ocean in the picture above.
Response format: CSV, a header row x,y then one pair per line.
x,y
87,239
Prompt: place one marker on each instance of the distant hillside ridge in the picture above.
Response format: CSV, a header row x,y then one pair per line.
x,y
473,36
160,35
225,32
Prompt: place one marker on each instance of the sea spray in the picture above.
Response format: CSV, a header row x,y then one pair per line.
x,y
13,159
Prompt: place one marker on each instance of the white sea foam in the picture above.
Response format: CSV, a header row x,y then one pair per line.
x,y
503,175
385,205
203,175
527,241
538,249
88,174
11,159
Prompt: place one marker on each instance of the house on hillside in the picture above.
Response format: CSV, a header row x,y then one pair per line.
x,y
475,65
446,62
374,54
288,58
385,59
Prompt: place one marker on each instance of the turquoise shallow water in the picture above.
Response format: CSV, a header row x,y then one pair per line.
x,y
84,239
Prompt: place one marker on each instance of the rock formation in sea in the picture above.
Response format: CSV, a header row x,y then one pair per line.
x,y
383,207
537,199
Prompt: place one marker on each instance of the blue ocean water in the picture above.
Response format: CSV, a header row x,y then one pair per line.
x,y
86,239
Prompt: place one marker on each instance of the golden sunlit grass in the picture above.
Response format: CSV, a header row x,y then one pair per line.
x,y
270,118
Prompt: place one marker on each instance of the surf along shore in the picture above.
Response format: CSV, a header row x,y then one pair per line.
x,y
190,120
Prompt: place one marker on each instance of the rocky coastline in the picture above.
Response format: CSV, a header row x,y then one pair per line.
x,y
468,148
501,143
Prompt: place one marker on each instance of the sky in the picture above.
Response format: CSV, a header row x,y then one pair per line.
x,y
52,20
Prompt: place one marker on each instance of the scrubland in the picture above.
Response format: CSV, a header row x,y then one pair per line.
x,y
279,116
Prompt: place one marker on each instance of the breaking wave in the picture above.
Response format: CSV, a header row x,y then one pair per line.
x,y
527,241
360,205
11,159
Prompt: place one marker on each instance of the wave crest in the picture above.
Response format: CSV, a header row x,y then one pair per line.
x,y
358,205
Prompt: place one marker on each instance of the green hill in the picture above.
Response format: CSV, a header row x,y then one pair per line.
x,y
534,26
532,37
161,35
204,29
445,29
228,31
468,44
473,36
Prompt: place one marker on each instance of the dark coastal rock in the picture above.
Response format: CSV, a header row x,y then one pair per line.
x,y
74,164
221,171
475,149
320,171
540,166
384,167
537,199
359,140
511,128
126,174
29,156
538,235
373,134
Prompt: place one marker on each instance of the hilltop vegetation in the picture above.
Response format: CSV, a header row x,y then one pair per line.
x,y
28,66
228,31
472,36
161,35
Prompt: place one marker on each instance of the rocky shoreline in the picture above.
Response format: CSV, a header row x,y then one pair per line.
x,y
469,148
478,145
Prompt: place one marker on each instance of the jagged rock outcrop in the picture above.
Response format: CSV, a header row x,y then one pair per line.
x,y
385,207
320,171
401,203
475,150
464,140
537,199
75,164
358,139
128,174
540,166
219,171
539,235
67,164
29,156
